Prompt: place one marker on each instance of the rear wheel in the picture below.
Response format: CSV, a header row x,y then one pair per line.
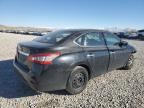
x,y
77,81
129,63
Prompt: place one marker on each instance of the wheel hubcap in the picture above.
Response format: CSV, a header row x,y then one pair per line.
x,y
78,81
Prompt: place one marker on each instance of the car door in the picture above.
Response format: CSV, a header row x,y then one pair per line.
x,y
118,53
96,52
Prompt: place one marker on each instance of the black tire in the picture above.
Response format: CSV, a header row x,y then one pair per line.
x,y
77,80
129,63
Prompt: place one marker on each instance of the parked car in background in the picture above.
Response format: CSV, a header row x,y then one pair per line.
x,y
141,34
29,33
120,34
21,32
127,35
67,59
133,35
44,33
35,33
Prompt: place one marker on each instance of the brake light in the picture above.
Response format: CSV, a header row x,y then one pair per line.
x,y
44,58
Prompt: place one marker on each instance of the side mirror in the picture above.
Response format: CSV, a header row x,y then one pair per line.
x,y
123,43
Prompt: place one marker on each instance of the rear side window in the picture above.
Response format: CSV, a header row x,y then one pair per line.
x,y
79,41
54,37
111,39
91,39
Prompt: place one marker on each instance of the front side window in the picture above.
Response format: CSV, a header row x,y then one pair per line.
x,y
111,39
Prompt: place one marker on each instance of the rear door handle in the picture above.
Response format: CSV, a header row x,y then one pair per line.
x,y
90,55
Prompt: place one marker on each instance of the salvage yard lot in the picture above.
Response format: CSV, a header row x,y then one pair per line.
x,y
119,88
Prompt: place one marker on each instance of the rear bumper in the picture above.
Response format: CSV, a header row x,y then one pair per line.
x,y
26,76
48,81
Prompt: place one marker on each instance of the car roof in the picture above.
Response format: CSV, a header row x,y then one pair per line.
x,y
83,30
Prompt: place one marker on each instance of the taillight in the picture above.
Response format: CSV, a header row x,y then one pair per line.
x,y
44,58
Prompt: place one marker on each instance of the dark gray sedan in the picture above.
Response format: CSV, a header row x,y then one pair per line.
x,y
67,59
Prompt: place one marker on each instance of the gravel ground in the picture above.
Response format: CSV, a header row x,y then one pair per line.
x,y
116,89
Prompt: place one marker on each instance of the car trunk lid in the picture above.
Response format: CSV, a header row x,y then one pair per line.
x,y
25,49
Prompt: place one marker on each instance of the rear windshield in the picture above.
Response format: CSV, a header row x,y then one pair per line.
x,y
54,37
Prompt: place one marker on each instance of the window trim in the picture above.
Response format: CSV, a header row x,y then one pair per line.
x,y
74,41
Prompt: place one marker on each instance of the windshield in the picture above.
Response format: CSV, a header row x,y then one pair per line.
x,y
54,37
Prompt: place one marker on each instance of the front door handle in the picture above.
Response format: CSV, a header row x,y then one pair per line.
x,y
90,55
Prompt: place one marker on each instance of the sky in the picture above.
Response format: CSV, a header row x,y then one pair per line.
x,y
73,13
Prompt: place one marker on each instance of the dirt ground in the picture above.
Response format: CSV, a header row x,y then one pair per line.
x,y
116,89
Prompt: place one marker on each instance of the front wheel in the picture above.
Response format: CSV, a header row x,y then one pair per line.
x,y
78,80
129,63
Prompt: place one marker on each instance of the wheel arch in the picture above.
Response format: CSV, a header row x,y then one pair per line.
x,y
87,68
